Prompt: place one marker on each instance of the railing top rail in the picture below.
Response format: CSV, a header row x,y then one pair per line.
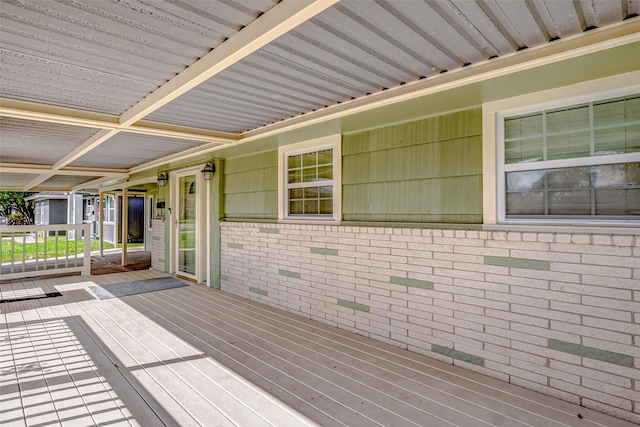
x,y
36,228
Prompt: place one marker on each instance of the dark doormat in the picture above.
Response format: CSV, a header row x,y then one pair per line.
x,y
136,287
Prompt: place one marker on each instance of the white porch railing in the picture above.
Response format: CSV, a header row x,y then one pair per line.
x,y
38,250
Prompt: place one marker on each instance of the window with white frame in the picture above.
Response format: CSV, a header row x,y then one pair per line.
x,y
575,162
109,209
311,176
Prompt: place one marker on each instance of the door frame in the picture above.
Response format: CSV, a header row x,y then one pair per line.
x,y
202,224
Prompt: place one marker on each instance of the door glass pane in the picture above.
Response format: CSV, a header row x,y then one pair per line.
x,y
187,225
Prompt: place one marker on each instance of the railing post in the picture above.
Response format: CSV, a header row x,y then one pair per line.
x,y
86,263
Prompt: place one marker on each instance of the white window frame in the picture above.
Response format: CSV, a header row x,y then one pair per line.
x,y
494,168
108,218
328,142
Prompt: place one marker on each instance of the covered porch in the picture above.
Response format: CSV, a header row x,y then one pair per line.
x,y
197,356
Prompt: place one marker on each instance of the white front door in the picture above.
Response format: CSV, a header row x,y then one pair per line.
x,y
189,222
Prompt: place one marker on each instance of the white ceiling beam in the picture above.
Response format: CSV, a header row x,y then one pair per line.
x,y
84,148
37,180
277,21
93,184
183,155
128,184
24,110
20,169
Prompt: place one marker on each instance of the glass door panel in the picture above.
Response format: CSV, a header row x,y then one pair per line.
x,y
187,226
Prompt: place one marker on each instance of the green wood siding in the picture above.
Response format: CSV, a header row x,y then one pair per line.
x,y
424,171
251,186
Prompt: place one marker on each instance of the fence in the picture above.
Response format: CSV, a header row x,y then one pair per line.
x,y
38,250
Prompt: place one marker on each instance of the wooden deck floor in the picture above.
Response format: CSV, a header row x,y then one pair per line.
x,y
195,356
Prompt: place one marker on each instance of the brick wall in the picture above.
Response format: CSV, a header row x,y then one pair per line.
x,y
158,244
558,313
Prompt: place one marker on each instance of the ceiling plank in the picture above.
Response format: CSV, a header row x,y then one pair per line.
x,y
280,19
626,32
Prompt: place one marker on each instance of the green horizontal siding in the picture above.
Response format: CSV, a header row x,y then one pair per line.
x,y
251,186
424,171
441,128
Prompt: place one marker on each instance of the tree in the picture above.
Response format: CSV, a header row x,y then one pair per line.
x,y
12,202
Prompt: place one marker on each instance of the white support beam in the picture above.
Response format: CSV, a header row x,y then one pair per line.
x,y
183,155
84,148
96,182
24,110
37,169
280,19
117,186
37,180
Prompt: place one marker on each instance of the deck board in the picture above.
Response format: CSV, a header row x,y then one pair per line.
x,y
196,356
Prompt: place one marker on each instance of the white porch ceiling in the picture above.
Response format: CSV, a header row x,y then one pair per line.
x,y
100,88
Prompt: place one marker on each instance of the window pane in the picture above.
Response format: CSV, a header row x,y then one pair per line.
x,y
524,151
325,173
309,159
523,127
295,207
525,203
311,207
609,141
525,181
573,119
296,193
326,191
311,193
325,157
570,202
326,207
568,146
569,178
608,112
309,174
618,202
295,161
633,138
295,176
616,111
632,110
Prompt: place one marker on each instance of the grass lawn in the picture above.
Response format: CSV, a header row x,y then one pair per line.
x,y
63,245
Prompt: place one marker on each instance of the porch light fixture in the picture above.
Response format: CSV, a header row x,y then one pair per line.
x,y
208,171
163,178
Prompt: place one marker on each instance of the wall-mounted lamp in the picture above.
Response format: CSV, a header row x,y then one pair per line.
x,y
208,171
160,206
163,178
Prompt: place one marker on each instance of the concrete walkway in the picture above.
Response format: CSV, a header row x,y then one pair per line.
x,y
196,356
